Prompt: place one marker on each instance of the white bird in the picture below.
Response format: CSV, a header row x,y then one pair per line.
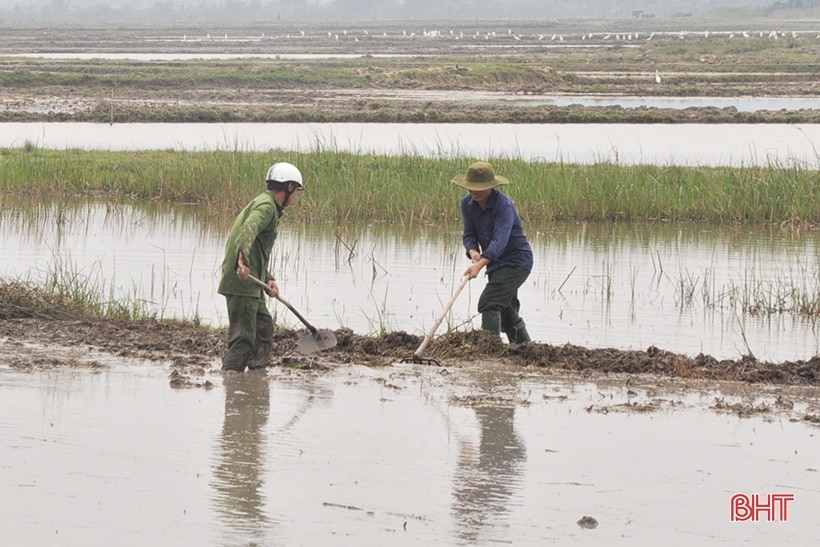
x,y
657,77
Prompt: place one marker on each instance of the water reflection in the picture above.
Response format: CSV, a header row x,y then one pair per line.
x,y
487,479
239,469
341,459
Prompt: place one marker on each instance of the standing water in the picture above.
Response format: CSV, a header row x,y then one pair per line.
x,y
629,144
106,452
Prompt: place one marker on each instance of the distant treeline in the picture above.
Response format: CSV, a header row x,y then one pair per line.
x,y
57,11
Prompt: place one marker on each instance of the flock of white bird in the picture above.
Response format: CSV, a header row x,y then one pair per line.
x,y
493,35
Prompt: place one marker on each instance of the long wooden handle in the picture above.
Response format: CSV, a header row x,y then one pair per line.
x,y
440,318
264,285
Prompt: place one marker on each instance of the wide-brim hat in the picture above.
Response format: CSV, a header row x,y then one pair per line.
x,y
480,176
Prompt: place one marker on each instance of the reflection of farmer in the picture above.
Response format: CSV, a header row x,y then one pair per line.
x,y
247,252
494,237
239,473
485,482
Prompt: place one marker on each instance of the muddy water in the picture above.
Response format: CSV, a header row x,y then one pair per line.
x,y
107,452
680,288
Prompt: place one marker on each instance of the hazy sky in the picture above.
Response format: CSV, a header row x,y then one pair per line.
x,y
365,9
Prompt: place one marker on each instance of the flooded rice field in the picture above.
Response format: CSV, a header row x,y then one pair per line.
x,y
106,450
109,441
105,441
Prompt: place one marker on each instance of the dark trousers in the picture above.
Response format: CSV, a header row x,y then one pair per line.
x,y
501,294
250,334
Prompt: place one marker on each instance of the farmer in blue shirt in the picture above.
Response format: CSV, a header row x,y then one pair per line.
x,y
494,237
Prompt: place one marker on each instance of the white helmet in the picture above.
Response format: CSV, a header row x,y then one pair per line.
x,y
284,172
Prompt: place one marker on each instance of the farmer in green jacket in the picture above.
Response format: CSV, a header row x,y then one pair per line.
x,y
247,252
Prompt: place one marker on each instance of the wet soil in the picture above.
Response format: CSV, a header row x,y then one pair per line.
x,y
185,345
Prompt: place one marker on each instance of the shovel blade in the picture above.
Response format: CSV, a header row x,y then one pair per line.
x,y
313,342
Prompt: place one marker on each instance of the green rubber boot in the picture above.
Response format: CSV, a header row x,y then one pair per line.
x,y
491,321
517,334
521,335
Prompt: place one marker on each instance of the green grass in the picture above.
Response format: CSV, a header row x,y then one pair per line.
x,y
66,292
411,189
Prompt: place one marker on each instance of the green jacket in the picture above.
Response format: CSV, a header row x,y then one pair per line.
x,y
253,232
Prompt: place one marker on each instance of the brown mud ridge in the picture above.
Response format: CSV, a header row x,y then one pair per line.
x,y
313,106
31,342
186,345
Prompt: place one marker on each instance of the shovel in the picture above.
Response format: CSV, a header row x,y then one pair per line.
x,y
317,340
417,356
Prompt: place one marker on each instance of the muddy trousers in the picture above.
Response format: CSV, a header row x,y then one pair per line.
x,y
499,305
250,334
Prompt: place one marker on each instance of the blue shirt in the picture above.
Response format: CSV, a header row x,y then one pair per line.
x,y
496,231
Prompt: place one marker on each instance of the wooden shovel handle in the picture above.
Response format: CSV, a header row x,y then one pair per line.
x,y
440,318
264,285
